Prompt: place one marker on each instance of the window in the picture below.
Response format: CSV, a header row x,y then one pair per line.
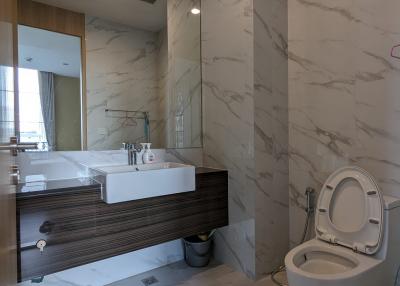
x,y
6,103
31,122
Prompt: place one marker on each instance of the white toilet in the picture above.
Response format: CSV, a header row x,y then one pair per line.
x,y
358,236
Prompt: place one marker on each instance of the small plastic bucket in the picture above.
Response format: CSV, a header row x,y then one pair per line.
x,y
197,251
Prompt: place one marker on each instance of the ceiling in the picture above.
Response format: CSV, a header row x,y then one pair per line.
x,y
136,13
49,51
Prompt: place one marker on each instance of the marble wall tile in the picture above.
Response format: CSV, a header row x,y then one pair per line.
x,y
158,72
271,134
122,73
228,116
160,130
183,104
343,94
245,119
321,85
191,156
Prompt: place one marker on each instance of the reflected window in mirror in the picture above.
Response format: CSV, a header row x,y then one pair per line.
x,y
6,102
31,124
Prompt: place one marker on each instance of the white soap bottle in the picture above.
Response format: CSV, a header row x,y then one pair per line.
x,y
148,155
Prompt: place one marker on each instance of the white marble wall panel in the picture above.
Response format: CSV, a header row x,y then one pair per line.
x,y
191,156
228,117
162,71
271,134
245,100
183,102
343,94
122,73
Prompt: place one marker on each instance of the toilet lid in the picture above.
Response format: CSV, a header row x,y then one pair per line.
x,y
350,210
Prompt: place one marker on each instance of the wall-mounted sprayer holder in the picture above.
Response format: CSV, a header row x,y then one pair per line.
x,y
310,203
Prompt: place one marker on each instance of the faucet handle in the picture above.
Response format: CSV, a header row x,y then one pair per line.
x,y
129,146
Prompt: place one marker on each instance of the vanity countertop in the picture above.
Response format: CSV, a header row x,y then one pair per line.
x,y
32,189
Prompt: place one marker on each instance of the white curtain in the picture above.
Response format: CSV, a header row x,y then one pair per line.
x,y
46,88
6,103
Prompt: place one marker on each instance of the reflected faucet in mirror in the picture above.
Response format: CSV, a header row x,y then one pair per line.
x,y
133,152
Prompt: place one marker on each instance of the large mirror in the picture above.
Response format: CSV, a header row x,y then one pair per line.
x,y
49,85
136,77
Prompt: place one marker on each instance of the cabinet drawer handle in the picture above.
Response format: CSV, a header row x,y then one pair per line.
x,y
46,227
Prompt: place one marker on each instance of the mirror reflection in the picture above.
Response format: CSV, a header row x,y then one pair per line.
x,y
141,79
49,85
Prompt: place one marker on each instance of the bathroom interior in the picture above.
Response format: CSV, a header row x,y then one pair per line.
x,y
199,142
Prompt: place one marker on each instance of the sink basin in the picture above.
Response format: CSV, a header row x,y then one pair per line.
x,y
127,183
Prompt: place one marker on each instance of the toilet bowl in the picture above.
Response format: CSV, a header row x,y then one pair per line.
x,y
318,263
353,244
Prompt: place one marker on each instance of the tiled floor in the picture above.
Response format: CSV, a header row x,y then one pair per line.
x,y
179,274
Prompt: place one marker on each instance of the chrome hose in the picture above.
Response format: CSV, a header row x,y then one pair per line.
x,y
310,210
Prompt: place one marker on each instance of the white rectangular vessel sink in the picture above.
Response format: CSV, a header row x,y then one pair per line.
x,y
127,183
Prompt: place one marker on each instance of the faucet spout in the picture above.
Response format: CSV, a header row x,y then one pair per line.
x,y
133,152
130,157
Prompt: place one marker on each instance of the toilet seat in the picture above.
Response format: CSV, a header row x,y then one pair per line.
x,y
316,259
350,211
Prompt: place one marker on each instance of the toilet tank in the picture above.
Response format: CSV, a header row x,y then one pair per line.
x,y
391,233
391,202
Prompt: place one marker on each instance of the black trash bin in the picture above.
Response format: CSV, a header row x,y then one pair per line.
x,y
197,251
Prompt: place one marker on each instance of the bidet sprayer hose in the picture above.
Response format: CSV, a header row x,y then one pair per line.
x,y
310,207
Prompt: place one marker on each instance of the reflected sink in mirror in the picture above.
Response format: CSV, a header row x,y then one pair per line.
x,y
127,183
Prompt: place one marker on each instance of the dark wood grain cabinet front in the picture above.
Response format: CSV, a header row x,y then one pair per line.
x,y
80,228
57,218
62,221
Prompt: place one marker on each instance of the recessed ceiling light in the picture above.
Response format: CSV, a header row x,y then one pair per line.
x,y
65,64
195,11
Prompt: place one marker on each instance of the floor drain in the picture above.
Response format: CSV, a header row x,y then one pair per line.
x,y
37,279
149,281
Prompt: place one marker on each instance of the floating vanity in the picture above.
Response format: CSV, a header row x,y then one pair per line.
x,y
79,227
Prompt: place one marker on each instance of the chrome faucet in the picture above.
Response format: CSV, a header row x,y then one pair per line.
x,y
133,152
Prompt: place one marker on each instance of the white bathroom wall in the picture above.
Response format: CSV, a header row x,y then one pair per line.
x,y
271,176
245,117
228,116
158,72
183,103
343,94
